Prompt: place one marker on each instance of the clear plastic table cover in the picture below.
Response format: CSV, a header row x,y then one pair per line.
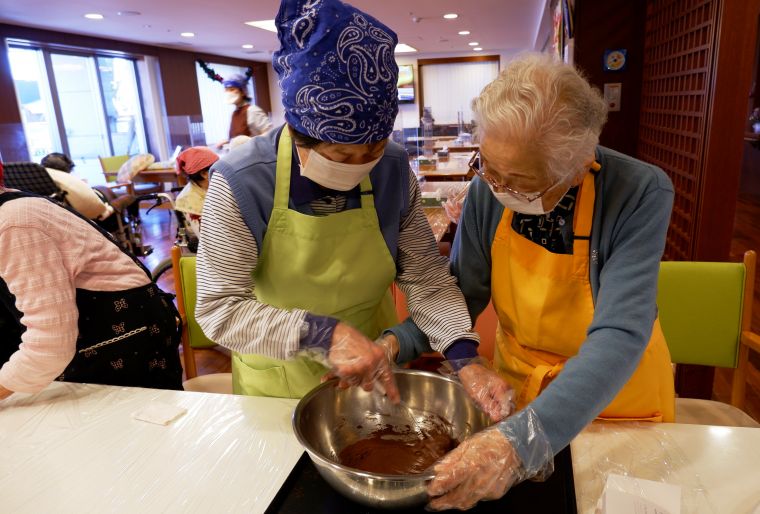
x,y
77,448
718,468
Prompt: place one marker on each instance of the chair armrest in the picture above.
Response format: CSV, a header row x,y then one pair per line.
x,y
751,340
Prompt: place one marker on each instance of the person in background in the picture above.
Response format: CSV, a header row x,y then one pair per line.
x,y
306,228
247,119
79,195
75,307
565,237
194,164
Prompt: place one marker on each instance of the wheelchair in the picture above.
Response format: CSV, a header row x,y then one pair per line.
x,y
124,224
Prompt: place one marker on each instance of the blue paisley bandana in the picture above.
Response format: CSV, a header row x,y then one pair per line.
x,y
337,71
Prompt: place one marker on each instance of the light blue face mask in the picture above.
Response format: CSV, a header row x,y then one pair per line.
x,y
335,175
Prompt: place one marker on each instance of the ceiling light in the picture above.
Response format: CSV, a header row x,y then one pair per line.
x,y
451,16
477,49
94,16
403,48
247,47
263,24
129,13
187,34
473,43
464,32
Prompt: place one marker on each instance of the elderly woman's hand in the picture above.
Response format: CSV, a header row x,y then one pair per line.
x,y
491,392
453,208
358,361
484,467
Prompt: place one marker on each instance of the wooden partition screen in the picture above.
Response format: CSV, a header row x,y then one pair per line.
x,y
678,63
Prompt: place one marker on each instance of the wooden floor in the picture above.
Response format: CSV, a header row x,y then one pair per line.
x,y
158,230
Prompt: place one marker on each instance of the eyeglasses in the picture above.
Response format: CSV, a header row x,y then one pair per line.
x,y
480,170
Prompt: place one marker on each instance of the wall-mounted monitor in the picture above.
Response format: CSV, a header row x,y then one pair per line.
x,y
406,83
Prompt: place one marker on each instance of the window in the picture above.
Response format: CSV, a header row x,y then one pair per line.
x,y
121,100
81,104
35,103
216,111
448,88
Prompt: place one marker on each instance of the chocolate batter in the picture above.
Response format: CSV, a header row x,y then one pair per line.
x,y
398,451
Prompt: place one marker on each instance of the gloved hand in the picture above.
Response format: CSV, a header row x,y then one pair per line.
x,y
453,208
484,467
358,361
491,392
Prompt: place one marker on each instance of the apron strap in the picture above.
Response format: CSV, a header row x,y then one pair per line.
x,y
282,175
368,199
584,214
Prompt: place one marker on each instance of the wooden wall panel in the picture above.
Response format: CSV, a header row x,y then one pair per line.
x,y
607,25
679,48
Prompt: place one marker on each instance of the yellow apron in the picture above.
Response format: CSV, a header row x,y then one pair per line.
x,y
337,265
545,305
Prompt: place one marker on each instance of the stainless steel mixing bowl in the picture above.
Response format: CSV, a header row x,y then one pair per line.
x,y
328,419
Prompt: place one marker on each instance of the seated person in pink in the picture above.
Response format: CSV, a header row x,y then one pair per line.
x,y
75,307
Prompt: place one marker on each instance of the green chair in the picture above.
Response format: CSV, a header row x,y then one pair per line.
x,y
111,165
705,310
192,334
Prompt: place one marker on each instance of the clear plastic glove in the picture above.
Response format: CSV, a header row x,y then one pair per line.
x,y
491,392
453,208
484,467
358,361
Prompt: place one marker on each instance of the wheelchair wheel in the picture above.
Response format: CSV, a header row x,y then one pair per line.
x,y
161,268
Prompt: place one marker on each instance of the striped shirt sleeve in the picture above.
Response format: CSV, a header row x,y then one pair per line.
x,y
436,305
230,315
226,308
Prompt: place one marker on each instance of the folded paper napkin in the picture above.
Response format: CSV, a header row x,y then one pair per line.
x,y
159,413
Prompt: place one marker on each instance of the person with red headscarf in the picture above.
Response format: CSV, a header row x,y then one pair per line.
x,y
194,164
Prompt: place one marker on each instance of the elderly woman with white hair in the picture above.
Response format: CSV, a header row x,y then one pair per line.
x,y
565,237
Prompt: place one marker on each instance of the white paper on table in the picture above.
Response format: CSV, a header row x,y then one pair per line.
x,y
629,495
159,413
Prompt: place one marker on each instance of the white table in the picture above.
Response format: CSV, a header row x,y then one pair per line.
x,y
76,448
717,467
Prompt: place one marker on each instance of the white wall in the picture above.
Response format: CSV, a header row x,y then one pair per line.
x,y
409,114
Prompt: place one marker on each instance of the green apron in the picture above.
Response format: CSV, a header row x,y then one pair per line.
x,y
336,265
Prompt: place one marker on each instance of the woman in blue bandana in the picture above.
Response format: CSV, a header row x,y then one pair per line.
x,y
306,227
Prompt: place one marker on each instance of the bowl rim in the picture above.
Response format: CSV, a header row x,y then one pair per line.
x,y
340,467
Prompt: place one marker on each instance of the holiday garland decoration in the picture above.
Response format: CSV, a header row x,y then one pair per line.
x,y
218,78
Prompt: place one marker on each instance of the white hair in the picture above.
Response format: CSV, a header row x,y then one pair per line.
x,y
547,108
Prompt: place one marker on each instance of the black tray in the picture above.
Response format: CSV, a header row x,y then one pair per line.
x,y
305,491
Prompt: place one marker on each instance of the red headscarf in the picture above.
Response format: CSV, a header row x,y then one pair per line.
x,y
195,159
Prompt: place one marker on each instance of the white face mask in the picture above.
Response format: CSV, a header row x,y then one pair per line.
x,y
335,175
232,97
534,208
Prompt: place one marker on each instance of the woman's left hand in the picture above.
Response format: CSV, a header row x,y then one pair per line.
x,y
484,467
491,392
